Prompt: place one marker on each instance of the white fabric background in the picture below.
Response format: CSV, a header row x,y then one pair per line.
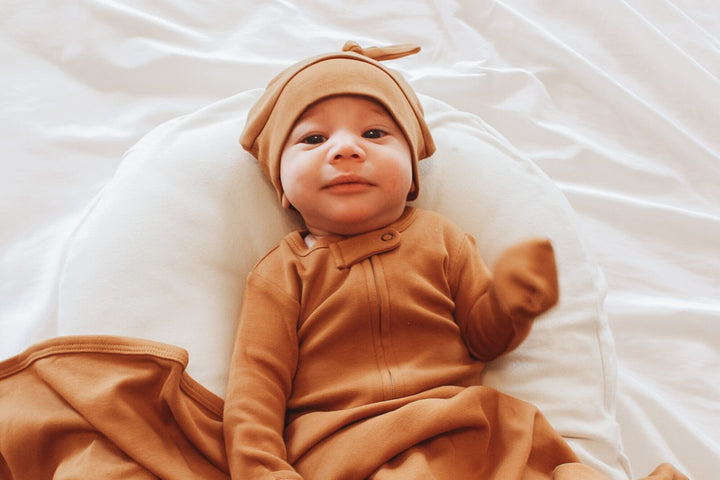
x,y
617,101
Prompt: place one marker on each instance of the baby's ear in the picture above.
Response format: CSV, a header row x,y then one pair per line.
x,y
285,202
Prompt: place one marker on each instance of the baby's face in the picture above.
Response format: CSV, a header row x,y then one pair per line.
x,y
346,167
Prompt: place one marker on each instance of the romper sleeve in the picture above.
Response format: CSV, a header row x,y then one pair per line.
x,y
259,383
495,312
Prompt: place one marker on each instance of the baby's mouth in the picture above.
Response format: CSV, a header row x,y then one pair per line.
x,y
347,180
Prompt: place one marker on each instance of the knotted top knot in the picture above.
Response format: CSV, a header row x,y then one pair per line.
x,y
382,53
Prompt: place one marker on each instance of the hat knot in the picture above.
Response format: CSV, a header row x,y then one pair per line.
x,y
382,53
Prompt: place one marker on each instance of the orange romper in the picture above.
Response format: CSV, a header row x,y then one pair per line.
x,y
362,357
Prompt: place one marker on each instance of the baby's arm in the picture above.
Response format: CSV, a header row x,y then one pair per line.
x,y
259,384
497,316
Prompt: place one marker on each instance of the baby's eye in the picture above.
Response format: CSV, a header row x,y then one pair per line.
x,y
374,133
314,139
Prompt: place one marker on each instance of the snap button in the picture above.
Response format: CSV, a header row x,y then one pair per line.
x,y
386,237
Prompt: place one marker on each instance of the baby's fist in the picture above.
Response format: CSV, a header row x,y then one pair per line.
x,y
525,279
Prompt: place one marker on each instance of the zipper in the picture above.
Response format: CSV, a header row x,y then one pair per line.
x,y
388,371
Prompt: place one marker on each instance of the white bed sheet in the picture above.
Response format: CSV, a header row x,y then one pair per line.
x,y
617,101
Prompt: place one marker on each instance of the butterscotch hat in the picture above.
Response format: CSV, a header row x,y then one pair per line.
x,y
354,71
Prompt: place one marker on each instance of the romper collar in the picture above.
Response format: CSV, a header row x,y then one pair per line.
x,y
347,251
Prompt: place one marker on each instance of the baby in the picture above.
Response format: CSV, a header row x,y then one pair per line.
x,y
362,339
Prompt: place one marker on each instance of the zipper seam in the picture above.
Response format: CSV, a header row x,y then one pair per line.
x,y
379,297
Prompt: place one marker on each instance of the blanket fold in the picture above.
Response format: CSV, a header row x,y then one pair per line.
x,y
123,408
107,407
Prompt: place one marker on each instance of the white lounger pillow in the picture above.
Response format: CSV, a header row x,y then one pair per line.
x,y
164,251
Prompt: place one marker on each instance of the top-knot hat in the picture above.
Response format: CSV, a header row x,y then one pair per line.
x,y
353,71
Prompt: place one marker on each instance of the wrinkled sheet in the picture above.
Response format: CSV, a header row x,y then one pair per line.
x,y
617,101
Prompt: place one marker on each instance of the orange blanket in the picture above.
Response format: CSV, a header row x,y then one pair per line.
x,y
120,408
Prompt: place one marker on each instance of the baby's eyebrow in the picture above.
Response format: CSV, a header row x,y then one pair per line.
x,y
380,110
303,124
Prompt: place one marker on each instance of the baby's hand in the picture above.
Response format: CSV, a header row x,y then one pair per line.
x,y
525,279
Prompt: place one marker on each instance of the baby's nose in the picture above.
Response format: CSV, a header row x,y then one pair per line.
x,y
347,147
